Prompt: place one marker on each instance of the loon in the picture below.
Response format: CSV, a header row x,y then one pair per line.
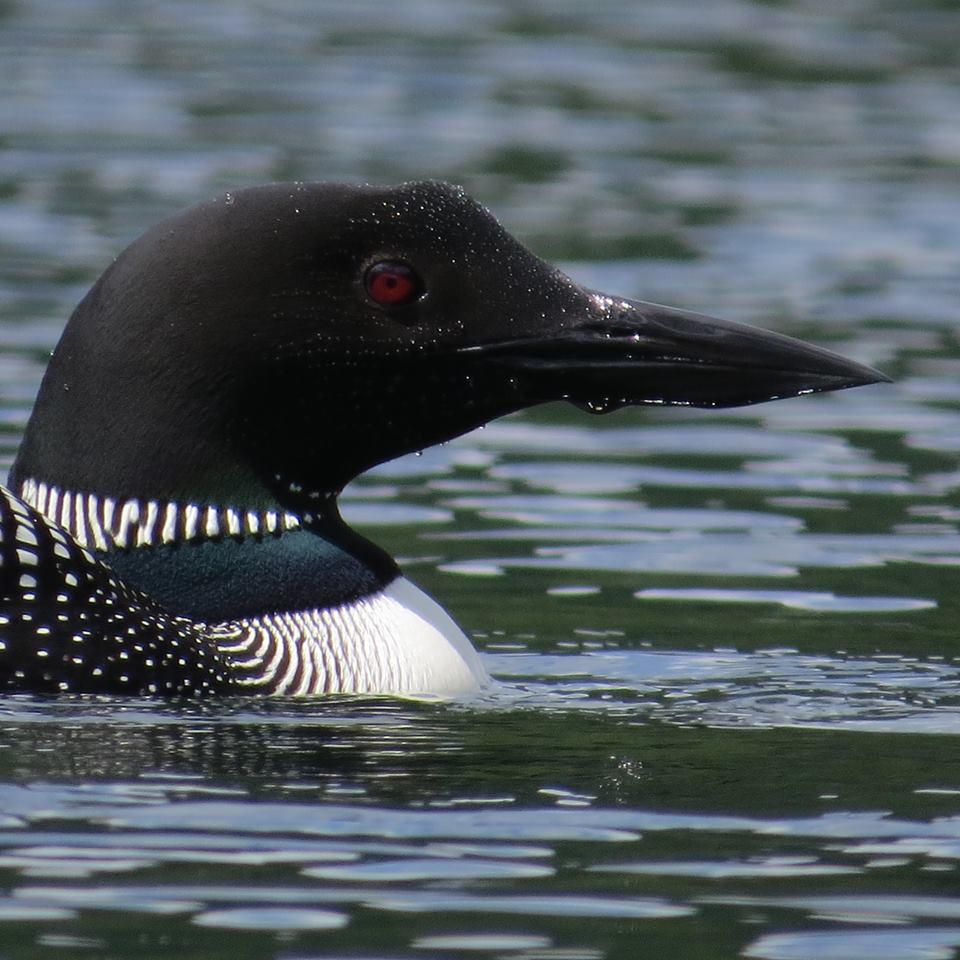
x,y
171,524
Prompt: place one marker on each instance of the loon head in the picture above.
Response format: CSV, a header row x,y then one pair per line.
x,y
269,345
241,362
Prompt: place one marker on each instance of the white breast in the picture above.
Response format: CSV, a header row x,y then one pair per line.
x,y
397,641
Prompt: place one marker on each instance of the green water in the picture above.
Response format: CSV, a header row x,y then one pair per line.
x,y
728,703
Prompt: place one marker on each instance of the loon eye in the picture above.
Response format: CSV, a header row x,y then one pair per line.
x,y
392,283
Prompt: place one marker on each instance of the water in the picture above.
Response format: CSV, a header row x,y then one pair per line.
x,y
728,712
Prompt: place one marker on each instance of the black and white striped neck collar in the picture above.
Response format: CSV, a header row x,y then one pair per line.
x,y
107,523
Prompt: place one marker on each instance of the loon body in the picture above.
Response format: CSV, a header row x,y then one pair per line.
x,y
171,525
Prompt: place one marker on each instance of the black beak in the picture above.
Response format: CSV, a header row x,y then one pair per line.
x,y
629,352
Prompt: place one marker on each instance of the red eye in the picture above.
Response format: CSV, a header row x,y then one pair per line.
x,y
392,283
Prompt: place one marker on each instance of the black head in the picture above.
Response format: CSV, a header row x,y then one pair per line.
x,y
277,341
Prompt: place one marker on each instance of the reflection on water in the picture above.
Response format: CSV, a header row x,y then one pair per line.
x,y
725,642
792,599
184,828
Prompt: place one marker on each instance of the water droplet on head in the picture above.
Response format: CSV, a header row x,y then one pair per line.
x,y
599,406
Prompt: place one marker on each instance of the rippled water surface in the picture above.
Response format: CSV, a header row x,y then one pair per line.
x,y
727,718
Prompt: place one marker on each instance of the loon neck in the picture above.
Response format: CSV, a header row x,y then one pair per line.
x,y
215,563
336,627
108,523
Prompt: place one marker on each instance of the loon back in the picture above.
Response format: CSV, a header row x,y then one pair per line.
x,y
172,524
